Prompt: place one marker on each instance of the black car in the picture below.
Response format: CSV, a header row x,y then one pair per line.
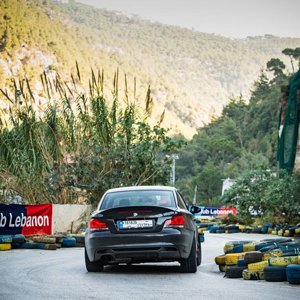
x,y
142,224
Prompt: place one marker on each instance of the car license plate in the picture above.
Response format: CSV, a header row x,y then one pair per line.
x,y
135,224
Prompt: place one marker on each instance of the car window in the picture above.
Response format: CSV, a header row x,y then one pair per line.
x,y
138,198
181,202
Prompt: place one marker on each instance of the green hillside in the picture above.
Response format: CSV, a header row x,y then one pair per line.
x,y
242,140
191,74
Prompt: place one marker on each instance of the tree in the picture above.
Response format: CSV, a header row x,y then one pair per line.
x,y
247,193
261,86
263,194
209,183
297,55
290,53
277,66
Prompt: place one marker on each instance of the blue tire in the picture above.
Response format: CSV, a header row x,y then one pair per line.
x,y
69,242
28,246
275,273
293,274
5,239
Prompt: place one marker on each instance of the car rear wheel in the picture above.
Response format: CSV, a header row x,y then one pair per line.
x,y
199,255
189,265
92,266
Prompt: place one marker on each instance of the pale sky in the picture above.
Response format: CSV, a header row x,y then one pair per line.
x,y
230,18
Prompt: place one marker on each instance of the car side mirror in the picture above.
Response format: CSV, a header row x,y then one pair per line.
x,y
194,209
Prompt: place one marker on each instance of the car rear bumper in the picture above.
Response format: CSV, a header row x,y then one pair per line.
x,y
168,245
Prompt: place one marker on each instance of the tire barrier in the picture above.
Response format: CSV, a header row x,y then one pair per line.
x,y
249,247
275,273
241,262
232,258
281,262
29,245
17,241
280,230
222,268
4,247
258,266
234,271
69,242
253,275
293,274
45,242
44,239
220,260
5,239
253,257
79,240
46,246
286,249
235,246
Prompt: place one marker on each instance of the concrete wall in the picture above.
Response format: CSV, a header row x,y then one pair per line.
x,y
70,217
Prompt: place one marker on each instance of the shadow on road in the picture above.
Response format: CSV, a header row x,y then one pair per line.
x,y
143,269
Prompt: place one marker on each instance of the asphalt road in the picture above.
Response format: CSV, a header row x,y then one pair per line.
x,y
61,274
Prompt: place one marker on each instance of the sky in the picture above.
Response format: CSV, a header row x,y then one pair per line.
x,y
229,18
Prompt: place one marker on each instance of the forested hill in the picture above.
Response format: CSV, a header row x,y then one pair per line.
x,y
242,140
192,74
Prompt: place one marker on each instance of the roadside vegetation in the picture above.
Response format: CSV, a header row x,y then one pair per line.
x,y
81,145
242,145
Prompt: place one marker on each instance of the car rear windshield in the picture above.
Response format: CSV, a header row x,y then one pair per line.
x,y
138,198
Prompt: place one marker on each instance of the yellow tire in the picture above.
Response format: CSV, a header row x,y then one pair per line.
x,y
276,253
283,261
249,247
259,266
280,232
220,260
201,230
266,256
274,232
299,259
228,247
297,230
4,247
241,227
232,258
253,275
270,230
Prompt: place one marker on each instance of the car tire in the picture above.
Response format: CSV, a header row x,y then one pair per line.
x,y
189,265
92,266
199,255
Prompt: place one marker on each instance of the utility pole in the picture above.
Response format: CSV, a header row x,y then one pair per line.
x,y
195,195
173,178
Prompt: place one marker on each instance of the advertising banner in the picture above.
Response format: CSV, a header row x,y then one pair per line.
x,y
215,211
25,219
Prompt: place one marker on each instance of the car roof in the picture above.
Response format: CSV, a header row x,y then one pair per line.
x,y
142,188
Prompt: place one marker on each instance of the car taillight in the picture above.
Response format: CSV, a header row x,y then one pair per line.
x,y
96,224
176,221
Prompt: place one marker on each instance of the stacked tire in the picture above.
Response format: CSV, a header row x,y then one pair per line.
x,y
5,242
293,274
274,260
